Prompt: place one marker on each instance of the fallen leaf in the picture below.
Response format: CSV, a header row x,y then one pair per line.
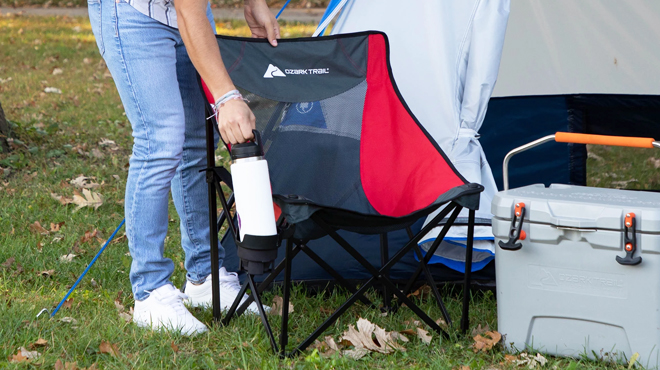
x,y
424,336
421,293
486,341
37,228
87,61
510,358
88,199
109,144
58,365
89,235
364,342
408,332
464,367
71,365
62,199
68,320
24,355
175,348
278,303
57,71
84,182
67,257
56,227
97,154
126,316
109,348
623,184
47,273
480,330
68,303
655,162
41,342
7,264
52,90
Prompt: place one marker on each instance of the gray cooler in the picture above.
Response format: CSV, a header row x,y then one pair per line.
x,y
581,274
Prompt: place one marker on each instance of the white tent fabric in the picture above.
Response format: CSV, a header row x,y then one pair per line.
x,y
564,47
445,57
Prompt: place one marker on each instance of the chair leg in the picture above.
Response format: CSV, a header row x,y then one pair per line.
x,y
434,287
465,319
331,320
234,305
384,257
213,222
284,335
264,319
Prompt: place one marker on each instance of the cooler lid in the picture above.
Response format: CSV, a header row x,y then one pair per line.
x,y
581,207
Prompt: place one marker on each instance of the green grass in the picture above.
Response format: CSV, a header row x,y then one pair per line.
x,y
57,139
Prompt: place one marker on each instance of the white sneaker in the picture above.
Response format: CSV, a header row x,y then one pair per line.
x,y
200,295
164,310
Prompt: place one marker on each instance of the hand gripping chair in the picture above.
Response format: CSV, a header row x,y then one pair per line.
x,y
344,152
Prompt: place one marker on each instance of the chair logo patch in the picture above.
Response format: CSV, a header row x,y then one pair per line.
x,y
273,71
304,107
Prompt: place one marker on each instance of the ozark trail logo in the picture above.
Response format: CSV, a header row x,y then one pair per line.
x,y
273,71
304,107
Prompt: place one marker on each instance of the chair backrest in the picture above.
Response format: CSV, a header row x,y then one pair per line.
x,y
335,128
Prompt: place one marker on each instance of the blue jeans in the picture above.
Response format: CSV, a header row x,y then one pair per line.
x,y
158,87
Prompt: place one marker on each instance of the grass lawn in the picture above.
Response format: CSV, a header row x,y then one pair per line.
x,y
58,138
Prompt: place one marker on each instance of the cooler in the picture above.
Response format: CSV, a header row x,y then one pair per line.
x,y
578,271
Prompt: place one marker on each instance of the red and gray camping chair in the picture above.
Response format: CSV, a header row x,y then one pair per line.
x,y
345,153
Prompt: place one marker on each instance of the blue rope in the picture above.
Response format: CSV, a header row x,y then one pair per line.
x,y
87,269
281,10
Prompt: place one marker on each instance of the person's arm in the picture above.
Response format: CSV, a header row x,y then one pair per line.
x,y
235,119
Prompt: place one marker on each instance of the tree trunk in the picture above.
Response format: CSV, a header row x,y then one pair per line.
x,y
4,132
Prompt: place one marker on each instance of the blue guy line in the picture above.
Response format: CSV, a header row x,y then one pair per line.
x,y
281,10
87,269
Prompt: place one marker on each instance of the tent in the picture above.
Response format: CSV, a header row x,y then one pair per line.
x,y
588,66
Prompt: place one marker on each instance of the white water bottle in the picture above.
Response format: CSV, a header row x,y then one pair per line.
x,y
252,191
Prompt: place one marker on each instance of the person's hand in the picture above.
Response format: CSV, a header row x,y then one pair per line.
x,y
235,122
261,21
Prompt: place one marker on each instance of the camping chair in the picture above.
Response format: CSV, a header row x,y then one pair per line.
x,y
344,153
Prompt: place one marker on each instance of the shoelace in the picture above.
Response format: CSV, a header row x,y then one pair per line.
x,y
175,300
231,282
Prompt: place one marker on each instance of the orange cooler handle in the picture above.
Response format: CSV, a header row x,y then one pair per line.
x,y
635,142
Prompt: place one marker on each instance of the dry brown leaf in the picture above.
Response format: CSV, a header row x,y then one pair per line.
x,y
54,227
61,198
68,303
408,332
69,320
47,273
175,348
363,341
109,144
278,303
109,348
326,311
480,330
71,365
655,162
127,316
89,235
510,358
93,367
421,293
464,367
87,199
38,229
486,341
24,355
58,365
331,343
424,335
84,182
41,342
8,262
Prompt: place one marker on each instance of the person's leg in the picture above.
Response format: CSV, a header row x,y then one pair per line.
x,y
189,188
141,56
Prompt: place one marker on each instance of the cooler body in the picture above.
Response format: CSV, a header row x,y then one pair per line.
x,y
564,292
